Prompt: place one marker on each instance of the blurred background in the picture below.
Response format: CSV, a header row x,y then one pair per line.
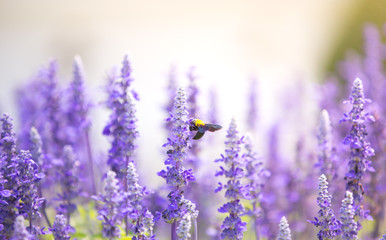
x,y
283,44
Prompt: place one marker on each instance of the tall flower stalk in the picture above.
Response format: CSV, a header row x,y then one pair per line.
x,y
347,215
61,230
176,176
140,219
112,201
78,120
122,126
326,221
38,156
232,227
21,176
20,232
255,174
284,230
324,136
360,149
69,176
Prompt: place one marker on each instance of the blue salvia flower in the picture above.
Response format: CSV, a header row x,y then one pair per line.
x,y
360,149
347,214
254,174
53,128
20,232
183,229
36,146
176,175
122,123
383,237
77,103
38,156
68,176
324,135
60,229
79,123
27,175
284,230
8,198
140,219
109,213
232,227
326,221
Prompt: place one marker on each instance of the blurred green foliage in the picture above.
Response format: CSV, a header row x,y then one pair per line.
x,y
351,36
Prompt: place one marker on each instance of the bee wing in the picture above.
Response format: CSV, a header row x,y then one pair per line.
x,y
212,127
198,135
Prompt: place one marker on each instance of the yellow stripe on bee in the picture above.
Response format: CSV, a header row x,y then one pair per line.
x,y
198,123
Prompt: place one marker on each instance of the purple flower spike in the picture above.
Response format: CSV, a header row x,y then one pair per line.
x,y
78,106
140,219
232,227
255,175
109,213
324,135
175,174
360,149
69,176
327,223
284,230
8,138
61,230
347,214
20,232
122,124
383,237
27,175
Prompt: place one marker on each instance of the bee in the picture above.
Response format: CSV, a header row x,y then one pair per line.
x,y
199,126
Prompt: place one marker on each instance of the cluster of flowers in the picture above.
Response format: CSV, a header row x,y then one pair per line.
x,y
56,170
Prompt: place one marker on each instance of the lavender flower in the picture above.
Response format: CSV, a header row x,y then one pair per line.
x,y
324,136
326,221
27,175
36,146
122,124
232,227
20,232
254,175
52,127
69,176
360,149
183,229
8,138
79,122
347,214
140,219
284,230
109,213
78,106
61,230
175,174
8,199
